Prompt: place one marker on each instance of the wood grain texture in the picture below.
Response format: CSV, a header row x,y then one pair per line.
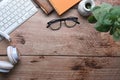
x,y
65,68
33,38
79,53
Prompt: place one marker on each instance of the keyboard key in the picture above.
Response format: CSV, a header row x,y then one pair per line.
x,y
20,21
13,2
25,16
13,20
23,12
15,7
20,15
10,5
8,18
28,8
18,5
9,1
12,15
6,25
9,23
22,7
1,23
16,17
4,15
11,28
3,11
15,13
4,21
11,10
33,10
1,18
3,28
8,12
27,4
17,0
22,1
18,10
7,8
0,13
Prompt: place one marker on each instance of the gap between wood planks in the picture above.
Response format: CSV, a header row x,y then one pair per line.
x,y
64,56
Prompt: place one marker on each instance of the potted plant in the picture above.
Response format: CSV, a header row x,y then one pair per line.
x,y
107,19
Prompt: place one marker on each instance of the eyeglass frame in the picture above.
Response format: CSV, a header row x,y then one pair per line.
x,y
74,19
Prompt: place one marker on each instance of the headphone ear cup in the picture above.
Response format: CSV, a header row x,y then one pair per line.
x,y
15,55
5,67
4,70
12,54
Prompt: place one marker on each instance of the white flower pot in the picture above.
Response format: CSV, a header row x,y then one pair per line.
x,y
85,6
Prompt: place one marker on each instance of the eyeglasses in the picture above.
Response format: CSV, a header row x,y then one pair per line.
x,y
57,23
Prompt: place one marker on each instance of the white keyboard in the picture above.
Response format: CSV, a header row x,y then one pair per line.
x,y
14,12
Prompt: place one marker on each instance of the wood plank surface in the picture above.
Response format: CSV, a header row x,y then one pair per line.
x,y
79,53
33,38
65,68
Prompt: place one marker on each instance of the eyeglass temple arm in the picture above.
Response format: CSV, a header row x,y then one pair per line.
x,y
77,22
47,26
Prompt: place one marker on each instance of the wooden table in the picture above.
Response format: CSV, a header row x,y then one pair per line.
x,y
79,53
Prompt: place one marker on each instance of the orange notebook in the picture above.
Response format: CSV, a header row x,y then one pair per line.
x,y
63,5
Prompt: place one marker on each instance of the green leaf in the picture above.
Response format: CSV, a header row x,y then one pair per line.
x,y
102,28
106,6
112,31
100,10
119,19
92,19
113,17
115,11
95,8
117,24
116,35
107,20
102,17
96,11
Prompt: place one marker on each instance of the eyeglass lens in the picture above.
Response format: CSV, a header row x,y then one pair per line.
x,y
55,26
70,23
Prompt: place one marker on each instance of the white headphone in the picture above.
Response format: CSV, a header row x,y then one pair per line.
x,y
12,54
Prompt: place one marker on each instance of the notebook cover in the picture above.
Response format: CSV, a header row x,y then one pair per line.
x,y
63,5
44,5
